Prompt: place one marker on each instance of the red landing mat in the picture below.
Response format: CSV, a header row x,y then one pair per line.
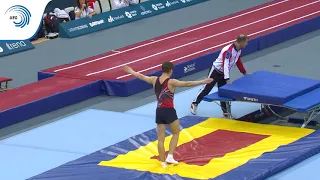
x,y
213,145
193,42
38,90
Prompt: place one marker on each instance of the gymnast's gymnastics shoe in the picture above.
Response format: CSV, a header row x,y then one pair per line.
x,y
194,108
171,160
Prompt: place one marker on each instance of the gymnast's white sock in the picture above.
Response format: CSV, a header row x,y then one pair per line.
x,y
164,164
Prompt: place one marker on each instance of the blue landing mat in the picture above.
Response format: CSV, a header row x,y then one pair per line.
x,y
277,151
307,169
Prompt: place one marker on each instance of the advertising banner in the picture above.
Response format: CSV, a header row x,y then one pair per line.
x,y
121,16
12,47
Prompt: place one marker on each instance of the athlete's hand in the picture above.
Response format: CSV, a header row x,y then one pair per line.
x,y
128,69
207,81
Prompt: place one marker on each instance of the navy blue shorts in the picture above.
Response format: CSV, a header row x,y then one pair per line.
x,y
166,115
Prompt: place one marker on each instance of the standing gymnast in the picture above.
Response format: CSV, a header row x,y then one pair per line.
x,y
166,114
229,56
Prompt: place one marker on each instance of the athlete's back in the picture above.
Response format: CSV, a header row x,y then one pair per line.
x,y
164,95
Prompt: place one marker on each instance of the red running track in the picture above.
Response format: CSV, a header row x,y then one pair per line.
x,y
193,42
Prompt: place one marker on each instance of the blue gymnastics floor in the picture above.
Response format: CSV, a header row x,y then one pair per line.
x,y
49,146
38,150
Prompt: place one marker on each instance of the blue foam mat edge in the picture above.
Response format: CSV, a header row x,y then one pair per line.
x,y
308,146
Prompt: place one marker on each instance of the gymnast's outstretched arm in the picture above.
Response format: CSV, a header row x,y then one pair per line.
x,y
177,83
148,79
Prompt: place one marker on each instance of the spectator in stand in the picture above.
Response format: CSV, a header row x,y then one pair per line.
x,y
91,4
124,3
82,10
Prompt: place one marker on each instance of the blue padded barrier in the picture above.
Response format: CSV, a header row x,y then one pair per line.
x,y
59,100
305,102
134,86
44,75
215,97
268,87
289,32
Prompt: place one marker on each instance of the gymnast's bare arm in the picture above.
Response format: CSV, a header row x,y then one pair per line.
x,y
177,83
148,79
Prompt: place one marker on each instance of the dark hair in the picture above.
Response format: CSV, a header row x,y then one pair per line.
x,y
167,66
79,5
242,38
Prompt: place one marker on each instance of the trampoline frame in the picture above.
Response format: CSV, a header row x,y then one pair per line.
x,y
312,113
